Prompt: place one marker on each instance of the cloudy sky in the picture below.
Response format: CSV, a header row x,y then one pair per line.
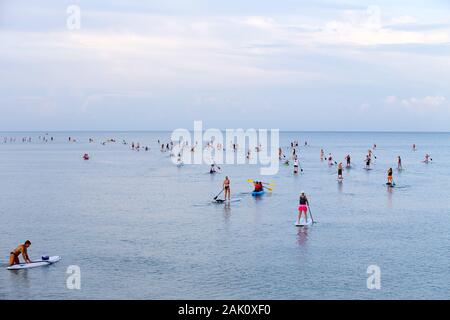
x,y
161,64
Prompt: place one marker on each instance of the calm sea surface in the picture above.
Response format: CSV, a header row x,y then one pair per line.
x,y
141,228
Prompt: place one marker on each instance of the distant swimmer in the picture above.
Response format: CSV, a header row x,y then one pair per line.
x,y
85,156
226,188
399,163
20,250
389,177
374,146
414,147
340,169
302,207
349,161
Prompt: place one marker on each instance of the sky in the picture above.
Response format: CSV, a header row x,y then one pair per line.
x,y
318,65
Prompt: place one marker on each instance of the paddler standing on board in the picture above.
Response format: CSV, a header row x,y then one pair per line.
x,y
349,161
399,163
340,169
226,188
280,153
295,165
368,159
302,207
389,177
20,250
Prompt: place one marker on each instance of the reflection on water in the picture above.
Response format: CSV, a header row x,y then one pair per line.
x,y
20,277
390,192
302,235
340,186
227,211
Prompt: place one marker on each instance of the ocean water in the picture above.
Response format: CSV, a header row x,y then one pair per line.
x,y
141,228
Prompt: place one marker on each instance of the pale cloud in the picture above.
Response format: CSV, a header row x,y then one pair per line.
x,y
102,99
36,104
260,22
367,28
276,59
403,20
428,102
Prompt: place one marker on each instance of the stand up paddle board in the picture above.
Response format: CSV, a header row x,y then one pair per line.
x,y
226,201
303,223
35,264
390,184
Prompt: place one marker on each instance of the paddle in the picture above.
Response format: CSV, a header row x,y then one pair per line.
x,y
215,198
310,213
270,189
269,184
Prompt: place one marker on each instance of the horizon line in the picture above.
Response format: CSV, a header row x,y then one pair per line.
x,y
286,131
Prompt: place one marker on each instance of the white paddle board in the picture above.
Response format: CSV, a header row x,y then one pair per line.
x,y
226,201
303,223
35,264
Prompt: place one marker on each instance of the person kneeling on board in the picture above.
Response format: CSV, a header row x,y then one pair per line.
x,y
20,250
212,169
